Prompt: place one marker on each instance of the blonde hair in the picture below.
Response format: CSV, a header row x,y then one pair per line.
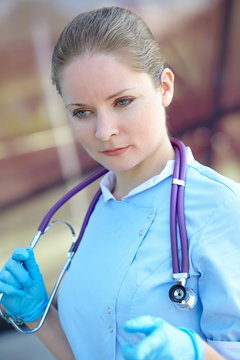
x,y
109,30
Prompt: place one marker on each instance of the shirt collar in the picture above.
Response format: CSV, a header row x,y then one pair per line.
x,y
108,182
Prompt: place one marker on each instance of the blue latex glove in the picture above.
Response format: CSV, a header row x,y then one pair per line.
x,y
24,292
162,341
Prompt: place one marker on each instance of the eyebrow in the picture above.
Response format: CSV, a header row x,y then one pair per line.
x,y
108,98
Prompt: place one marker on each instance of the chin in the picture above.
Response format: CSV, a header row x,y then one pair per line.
x,y
117,167
117,164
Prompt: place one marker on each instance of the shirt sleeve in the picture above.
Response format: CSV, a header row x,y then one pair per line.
x,y
216,258
228,349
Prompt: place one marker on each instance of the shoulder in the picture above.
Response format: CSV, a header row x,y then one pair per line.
x,y
211,199
209,184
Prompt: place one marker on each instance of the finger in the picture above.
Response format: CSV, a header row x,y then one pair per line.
x,y
19,272
8,278
10,290
20,254
27,256
143,324
153,344
148,348
129,352
31,265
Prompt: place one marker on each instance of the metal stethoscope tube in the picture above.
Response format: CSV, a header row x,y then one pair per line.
x,y
42,229
183,297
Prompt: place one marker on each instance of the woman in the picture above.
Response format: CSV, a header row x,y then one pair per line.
x,y
113,303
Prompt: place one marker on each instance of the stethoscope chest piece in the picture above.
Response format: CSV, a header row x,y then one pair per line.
x,y
182,297
177,293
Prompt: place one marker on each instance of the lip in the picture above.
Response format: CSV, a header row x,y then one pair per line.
x,y
115,151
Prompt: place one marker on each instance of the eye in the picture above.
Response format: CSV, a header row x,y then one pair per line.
x,y
81,113
123,102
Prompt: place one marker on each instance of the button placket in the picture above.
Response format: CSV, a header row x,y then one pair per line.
x,y
110,320
149,218
110,329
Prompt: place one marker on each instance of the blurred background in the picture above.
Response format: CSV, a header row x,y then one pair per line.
x,y
39,158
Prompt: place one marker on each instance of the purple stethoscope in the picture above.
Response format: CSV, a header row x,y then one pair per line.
x,y
183,297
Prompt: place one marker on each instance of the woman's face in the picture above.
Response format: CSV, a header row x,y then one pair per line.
x,y
116,114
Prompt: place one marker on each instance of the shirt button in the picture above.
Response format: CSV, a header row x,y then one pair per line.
x,y
149,216
141,233
109,310
110,329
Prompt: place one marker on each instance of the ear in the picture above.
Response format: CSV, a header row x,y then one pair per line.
x,y
167,85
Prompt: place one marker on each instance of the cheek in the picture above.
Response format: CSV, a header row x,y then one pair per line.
x,y
83,132
149,119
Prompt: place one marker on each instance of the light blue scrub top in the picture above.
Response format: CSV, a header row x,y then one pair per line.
x,y
123,267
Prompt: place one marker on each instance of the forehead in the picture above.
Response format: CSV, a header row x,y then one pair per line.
x,y
99,76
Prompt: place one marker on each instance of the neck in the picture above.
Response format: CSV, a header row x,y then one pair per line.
x,y
129,179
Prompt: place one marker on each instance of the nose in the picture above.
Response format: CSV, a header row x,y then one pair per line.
x,y
106,127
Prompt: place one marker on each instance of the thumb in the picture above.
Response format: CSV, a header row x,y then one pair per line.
x,y
143,324
129,352
20,254
31,265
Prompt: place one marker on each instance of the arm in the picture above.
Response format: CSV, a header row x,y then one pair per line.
x,y
216,257
166,341
211,354
53,337
25,296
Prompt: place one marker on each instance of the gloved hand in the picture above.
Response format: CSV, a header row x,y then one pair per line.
x,y
24,292
163,341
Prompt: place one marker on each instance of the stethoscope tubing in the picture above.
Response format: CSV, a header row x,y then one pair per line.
x,y
176,215
68,196
86,218
177,209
